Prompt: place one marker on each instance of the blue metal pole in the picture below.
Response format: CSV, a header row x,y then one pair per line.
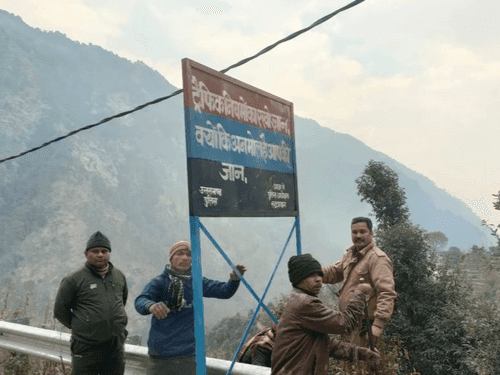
x,y
237,272
249,326
199,322
297,232
261,302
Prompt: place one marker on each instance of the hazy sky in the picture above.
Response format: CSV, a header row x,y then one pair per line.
x,y
418,80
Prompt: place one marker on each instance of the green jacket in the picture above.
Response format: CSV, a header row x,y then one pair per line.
x,y
93,307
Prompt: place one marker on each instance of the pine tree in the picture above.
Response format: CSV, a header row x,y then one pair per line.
x,y
427,317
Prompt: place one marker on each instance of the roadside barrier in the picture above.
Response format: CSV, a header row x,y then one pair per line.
x,y
54,346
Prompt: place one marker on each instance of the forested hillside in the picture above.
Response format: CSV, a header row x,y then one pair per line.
x,y
127,178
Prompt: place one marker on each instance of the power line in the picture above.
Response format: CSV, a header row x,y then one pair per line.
x,y
138,108
295,34
93,125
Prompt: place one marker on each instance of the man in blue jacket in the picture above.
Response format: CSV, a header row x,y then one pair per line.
x,y
169,297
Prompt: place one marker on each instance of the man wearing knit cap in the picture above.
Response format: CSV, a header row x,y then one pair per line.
x,y
91,302
169,298
302,345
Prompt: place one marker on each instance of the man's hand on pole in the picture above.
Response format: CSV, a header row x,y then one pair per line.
x,y
242,269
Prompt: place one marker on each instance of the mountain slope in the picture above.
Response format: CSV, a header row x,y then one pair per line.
x,y
127,178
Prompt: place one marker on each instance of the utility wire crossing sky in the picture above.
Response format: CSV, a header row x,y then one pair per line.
x,y
158,100
418,80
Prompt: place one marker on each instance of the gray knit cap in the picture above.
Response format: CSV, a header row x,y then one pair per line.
x,y
98,240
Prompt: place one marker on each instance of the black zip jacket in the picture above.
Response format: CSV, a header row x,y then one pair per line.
x,y
93,307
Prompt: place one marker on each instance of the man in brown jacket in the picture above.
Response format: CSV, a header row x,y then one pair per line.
x,y
302,345
258,349
364,262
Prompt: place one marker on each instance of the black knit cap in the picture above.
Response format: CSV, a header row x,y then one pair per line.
x,y
98,240
301,267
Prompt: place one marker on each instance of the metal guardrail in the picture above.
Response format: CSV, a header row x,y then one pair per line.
x,y
54,346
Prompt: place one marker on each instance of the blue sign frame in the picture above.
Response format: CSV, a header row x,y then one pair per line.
x,y
241,162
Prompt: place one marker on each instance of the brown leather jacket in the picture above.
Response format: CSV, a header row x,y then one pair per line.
x,y
302,345
264,338
375,267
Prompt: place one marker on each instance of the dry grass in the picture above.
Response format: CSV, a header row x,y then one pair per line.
x,y
389,354
21,364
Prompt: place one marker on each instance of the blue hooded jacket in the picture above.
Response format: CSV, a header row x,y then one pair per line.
x,y
174,335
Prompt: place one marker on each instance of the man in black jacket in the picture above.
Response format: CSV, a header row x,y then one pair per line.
x,y
91,302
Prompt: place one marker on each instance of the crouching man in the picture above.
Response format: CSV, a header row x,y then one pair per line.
x,y
169,297
259,348
302,345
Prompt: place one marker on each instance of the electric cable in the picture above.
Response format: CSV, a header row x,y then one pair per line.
x,y
142,106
